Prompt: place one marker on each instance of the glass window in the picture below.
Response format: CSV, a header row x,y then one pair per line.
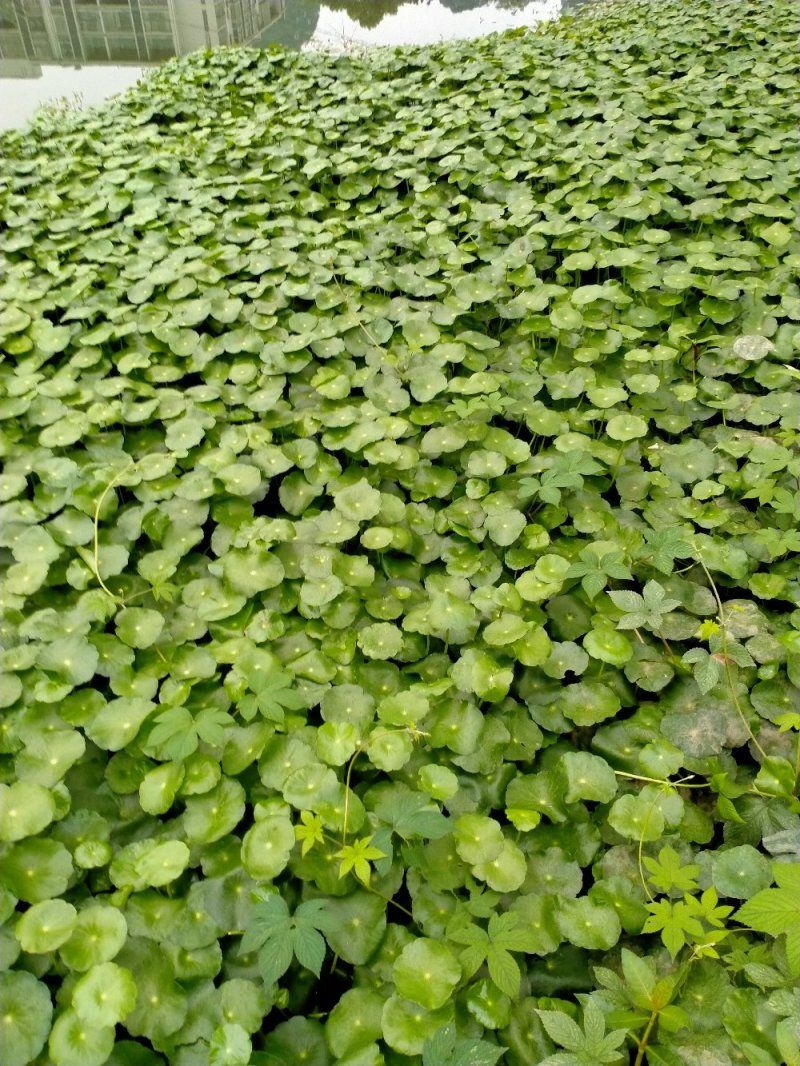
x,y
118,21
94,45
156,20
123,48
90,18
160,47
11,46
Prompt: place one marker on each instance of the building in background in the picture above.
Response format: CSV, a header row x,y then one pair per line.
x,y
123,31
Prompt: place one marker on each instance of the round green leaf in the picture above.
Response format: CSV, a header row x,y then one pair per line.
x,y
240,479
504,873
753,348
160,786
105,995
25,810
439,782
476,671
243,1003
406,1025
426,972
608,645
478,839
588,925
118,722
98,936
588,777
25,1013
139,627
355,1021
149,863
489,1006
36,870
214,814
229,1045
74,1042
266,847
359,501
740,872
626,427
252,571
46,926
358,922
381,640
636,818
588,702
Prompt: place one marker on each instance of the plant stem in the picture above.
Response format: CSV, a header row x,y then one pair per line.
x,y
114,481
645,1038
681,783
640,849
728,674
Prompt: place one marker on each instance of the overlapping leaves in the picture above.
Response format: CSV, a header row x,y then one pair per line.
x,y
399,523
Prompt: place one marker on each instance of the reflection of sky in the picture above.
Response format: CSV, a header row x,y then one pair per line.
x,y
425,23
306,23
19,97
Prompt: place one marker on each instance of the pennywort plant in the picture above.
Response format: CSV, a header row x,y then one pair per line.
x,y
400,611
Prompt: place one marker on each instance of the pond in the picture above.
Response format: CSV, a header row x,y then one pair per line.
x,y
87,50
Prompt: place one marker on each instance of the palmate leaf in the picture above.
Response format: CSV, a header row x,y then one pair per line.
x,y
562,472
675,922
281,936
585,1046
562,1029
777,911
708,670
177,731
505,933
663,546
309,947
270,919
667,872
413,816
356,857
272,695
645,610
595,572
275,957
444,1049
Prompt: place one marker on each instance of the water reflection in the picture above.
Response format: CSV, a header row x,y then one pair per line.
x,y
93,48
134,31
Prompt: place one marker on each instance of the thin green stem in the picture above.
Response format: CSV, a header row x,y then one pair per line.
x,y
681,783
645,1038
639,855
361,747
728,672
114,481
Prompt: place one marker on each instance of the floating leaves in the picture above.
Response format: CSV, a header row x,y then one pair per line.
x,y
399,529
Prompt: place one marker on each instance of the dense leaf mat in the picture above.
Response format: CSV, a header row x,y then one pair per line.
x,y
401,602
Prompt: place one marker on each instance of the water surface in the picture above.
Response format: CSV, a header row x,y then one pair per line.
x,y
87,50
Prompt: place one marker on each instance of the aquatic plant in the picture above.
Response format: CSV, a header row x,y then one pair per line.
x,y
401,608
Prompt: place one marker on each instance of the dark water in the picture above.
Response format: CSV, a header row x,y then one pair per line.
x,y
87,50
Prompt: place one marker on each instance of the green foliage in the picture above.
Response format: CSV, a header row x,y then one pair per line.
x,y
493,946
445,1049
279,936
777,911
584,1046
400,607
